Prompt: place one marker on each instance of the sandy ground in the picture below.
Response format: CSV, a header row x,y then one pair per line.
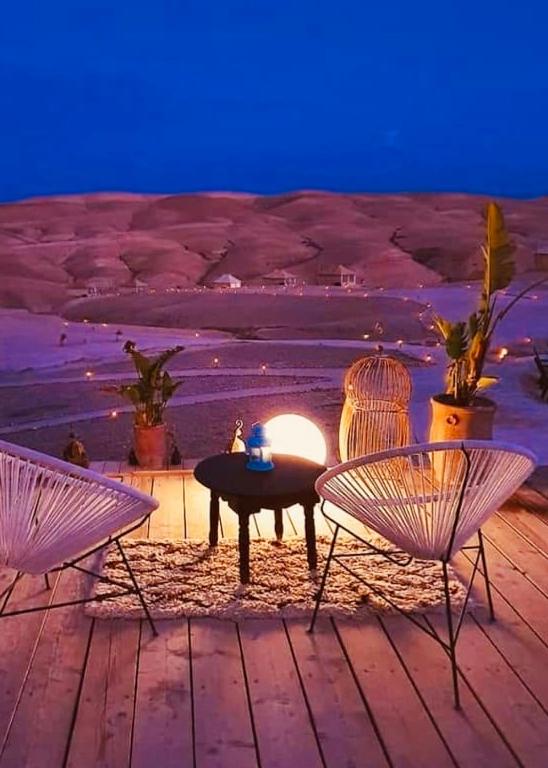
x,y
43,388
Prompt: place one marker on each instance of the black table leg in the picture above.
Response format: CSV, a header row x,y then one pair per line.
x,y
279,524
213,520
310,532
243,543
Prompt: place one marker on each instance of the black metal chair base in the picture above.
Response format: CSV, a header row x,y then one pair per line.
x,y
402,559
123,588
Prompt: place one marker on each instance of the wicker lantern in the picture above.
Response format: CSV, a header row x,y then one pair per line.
x,y
375,413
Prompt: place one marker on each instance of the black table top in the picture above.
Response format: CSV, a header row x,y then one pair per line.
x,y
227,474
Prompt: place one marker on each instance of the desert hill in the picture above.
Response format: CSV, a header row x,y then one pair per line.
x,y
52,247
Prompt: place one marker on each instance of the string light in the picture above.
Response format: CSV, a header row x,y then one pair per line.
x,y
503,353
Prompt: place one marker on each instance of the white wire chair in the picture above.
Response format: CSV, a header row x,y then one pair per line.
x,y
375,414
428,501
54,514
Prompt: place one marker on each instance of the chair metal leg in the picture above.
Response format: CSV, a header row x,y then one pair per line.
x,y
452,639
324,579
46,579
137,588
486,576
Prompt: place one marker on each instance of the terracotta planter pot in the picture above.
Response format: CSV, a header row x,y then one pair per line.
x,y
457,422
151,446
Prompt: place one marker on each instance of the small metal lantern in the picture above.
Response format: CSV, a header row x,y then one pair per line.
x,y
259,449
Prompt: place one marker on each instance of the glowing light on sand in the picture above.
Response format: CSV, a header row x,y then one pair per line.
x,y
104,325
503,352
263,368
296,435
527,339
89,374
66,325
215,362
197,334
400,343
366,336
428,358
113,414
85,320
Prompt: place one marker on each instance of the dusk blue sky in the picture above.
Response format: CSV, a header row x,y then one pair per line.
x,y
273,95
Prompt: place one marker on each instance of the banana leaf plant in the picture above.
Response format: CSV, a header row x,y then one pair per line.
x,y
154,386
467,342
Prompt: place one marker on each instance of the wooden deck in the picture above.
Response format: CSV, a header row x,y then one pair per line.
x,y
84,693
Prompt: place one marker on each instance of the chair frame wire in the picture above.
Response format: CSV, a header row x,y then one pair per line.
x,y
453,627
134,589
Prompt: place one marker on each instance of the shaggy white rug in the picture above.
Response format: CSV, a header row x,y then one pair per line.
x,y
187,578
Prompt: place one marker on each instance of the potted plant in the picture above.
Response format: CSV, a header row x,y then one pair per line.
x,y
150,395
461,412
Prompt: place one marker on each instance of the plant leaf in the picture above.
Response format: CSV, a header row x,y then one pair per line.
x,y
487,381
456,340
497,252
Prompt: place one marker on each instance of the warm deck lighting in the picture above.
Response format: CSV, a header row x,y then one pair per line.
x,y
113,414
366,336
263,368
400,343
215,362
428,358
89,374
296,435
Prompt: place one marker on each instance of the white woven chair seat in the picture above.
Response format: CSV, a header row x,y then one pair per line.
x,y
51,511
412,495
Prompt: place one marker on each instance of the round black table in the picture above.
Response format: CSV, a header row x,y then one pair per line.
x,y
247,492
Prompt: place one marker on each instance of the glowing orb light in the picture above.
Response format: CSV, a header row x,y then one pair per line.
x,y
297,436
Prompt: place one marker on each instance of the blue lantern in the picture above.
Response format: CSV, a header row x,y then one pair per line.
x,y
259,449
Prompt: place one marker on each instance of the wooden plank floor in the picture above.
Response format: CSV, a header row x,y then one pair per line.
x,y
263,693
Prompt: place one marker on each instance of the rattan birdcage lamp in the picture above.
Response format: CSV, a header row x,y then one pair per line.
x,y
375,413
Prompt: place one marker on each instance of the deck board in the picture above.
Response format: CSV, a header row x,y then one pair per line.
x,y
279,707
102,733
162,727
410,736
51,689
471,737
214,694
223,728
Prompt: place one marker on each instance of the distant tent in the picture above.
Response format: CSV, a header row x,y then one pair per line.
x,y
339,275
140,286
281,277
226,281
97,286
